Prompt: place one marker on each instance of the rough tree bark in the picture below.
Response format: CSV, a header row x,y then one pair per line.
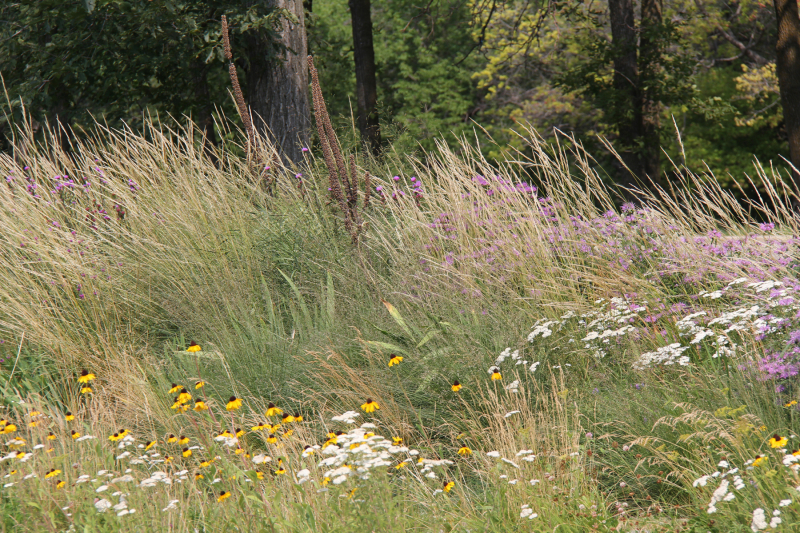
x,y
626,81
788,69
649,66
366,84
277,89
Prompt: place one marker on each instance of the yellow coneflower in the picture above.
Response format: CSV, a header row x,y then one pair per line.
x,y
33,414
369,434
69,417
86,389
370,405
226,433
206,463
496,374
3,422
395,360
464,451
176,404
171,439
398,466
86,376
200,405
10,428
50,436
184,396
52,473
20,455
759,459
75,434
200,384
224,495
777,441
352,492
298,417
50,450
259,474
183,408
420,460
448,486
456,386
273,429
149,445
239,432
123,432
272,410
397,440
325,481
60,484
33,423
287,419
114,438
790,404
187,452
308,449
233,403
272,439
288,433
167,459
193,347
257,427
198,475
796,453
13,472
175,388
183,441
280,471
239,450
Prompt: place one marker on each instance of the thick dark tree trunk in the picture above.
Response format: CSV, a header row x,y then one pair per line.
x,y
366,85
277,84
626,83
649,67
788,68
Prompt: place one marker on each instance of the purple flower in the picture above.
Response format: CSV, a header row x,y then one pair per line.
x,y
766,227
304,149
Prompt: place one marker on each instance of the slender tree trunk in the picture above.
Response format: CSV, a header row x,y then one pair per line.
x,y
788,68
649,67
277,84
626,83
366,85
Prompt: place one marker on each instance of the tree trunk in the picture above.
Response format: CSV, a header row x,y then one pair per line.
x,y
788,69
626,83
366,85
649,67
277,84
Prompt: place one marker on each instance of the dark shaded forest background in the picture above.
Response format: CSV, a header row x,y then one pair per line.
x,y
706,72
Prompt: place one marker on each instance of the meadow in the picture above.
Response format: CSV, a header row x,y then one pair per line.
x,y
203,339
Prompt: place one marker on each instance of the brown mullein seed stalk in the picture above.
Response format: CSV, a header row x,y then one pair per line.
x,y
237,89
367,189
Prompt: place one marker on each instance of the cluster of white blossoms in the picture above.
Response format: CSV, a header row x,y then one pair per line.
x,y
666,355
759,521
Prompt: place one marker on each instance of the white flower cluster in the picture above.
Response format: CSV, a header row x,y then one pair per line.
x,y
666,355
759,521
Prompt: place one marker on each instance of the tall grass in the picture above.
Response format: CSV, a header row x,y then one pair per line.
x,y
121,249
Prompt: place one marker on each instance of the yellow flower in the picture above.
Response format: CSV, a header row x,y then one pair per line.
x,y
183,408
123,433
69,417
397,440
60,484
233,403
259,475
200,405
21,455
10,428
33,414
12,472
272,410
171,439
790,404
448,486
298,417
200,384
50,450
3,422
273,429
175,388
86,390
352,492
183,441
50,436
33,423
224,495
325,481
759,459
226,433
796,453
288,433
398,466
184,396
496,374
86,376
280,471
456,386
75,434
114,438
369,434
206,463
370,405
198,475
395,360
239,451
272,439
193,347
287,419
167,459
52,473
239,432
176,404
149,445
464,451
777,441
187,452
